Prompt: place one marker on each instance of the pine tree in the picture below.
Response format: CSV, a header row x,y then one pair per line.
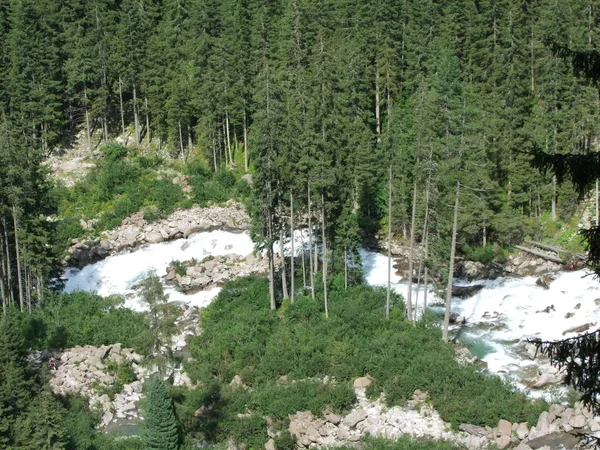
x,y
160,426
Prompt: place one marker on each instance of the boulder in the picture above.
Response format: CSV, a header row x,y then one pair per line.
x,y
554,441
154,237
522,430
545,280
578,421
355,417
333,418
503,442
580,328
472,429
362,383
466,291
505,427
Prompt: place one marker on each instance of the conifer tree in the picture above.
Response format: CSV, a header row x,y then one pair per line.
x,y
160,426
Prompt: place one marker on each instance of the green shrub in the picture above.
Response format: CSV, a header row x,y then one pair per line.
x,y
225,178
242,337
113,151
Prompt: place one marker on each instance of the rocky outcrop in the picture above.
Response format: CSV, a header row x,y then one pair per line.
x,y
86,371
523,265
135,231
466,291
417,419
192,276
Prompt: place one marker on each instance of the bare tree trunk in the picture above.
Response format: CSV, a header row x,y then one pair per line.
x,y
303,255
425,274
122,110
310,245
181,141
19,280
8,268
597,206
324,251
40,289
227,162
228,137
245,140
412,255
451,265
2,277
88,132
214,148
283,274
484,236
147,121
346,268
271,262
554,197
389,255
136,117
377,108
189,138
292,268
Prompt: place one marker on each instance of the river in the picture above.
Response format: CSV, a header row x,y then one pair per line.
x,y
499,317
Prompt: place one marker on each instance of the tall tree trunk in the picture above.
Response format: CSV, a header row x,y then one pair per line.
x,y
554,197
324,251
181,140
2,276
426,273
225,145
9,281
310,245
245,140
88,132
451,265
19,280
283,274
147,121
136,116
189,138
412,255
214,149
271,262
228,138
377,107
345,268
597,205
389,255
122,110
292,268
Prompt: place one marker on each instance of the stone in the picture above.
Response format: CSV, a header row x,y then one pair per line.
x,y
362,383
556,409
466,291
154,237
355,417
543,424
554,441
505,427
333,418
354,438
472,429
107,418
578,421
522,430
503,442
270,445
523,446
545,280
579,328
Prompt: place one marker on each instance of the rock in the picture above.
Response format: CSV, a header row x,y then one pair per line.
x,y
578,421
532,350
154,237
333,418
503,442
237,381
569,315
579,328
523,446
472,429
556,409
474,270
354,438
545,280
554,441
546,379
247,178
466,291
355,417
457,318
362,383
543,423
270,445
597,301
107,418
522,430
505,427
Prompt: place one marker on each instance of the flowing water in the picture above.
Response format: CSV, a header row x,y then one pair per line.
x,y
505,311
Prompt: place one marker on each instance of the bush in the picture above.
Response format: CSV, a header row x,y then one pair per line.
x,y
242,337
113,151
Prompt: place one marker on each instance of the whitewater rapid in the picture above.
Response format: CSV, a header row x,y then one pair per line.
x,y
505,311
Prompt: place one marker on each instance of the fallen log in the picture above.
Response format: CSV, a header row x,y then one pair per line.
x,y
551,248
541,254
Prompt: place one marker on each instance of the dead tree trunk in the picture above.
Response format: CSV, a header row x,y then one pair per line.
x,y
19,279
324,251
389,255
310,245
412,315
451,265
292,268
283,274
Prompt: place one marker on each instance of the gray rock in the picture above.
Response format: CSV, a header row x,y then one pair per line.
x,y
522,430
578,421
362,383
505,427
554,441
355,417
503,442
473,429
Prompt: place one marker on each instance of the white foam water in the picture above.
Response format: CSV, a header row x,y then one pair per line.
x,y
119,274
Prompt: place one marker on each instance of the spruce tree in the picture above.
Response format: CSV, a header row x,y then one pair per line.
x,y
160,426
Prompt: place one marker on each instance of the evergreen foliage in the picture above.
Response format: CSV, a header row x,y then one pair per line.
x,y
160,427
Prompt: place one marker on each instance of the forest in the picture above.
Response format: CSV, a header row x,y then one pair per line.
x,y
363,121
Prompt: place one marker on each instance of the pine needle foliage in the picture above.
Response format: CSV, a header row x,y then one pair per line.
x,y
160,431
